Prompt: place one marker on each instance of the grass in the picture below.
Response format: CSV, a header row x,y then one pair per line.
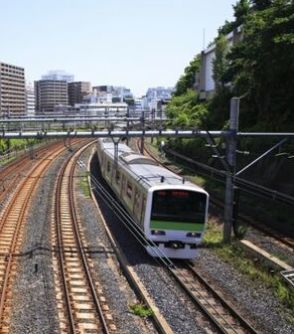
x,y
141,310
84,185
234,255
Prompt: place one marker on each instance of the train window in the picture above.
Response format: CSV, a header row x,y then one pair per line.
x,y
117,177
129,189
179,206
108,166
137,199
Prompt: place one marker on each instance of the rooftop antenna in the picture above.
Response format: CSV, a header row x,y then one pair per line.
x,y
203,39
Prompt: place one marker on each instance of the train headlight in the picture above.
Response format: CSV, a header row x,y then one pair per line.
x,y
156,232
193,235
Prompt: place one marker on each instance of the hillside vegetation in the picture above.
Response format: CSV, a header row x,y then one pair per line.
x,y
260,68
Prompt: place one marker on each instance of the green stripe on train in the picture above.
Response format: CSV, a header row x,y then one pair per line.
x,y
178,226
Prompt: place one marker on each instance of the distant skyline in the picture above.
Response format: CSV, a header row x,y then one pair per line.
x,y
133,43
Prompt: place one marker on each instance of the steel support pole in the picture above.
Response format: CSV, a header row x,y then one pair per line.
x,y
143,129
128,123
231,159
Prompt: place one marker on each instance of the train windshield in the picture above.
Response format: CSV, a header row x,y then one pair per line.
x,y
178,206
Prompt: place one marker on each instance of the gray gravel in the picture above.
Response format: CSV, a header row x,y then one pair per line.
x,y
117,292
271,245
253,299
34,303
34,306
171,300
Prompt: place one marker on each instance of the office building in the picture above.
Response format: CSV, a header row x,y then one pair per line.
x,y
12,90
77,91
51,95
58,75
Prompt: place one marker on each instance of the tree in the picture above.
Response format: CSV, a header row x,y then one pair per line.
x,y
262,66
241,10
220,63
261,4
187,80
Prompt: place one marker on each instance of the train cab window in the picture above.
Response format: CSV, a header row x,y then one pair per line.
x,y
129,189
179,206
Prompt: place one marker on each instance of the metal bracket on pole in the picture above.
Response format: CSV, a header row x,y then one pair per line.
x,y
212,144
262,156
143,129
115,142
128,124
231,159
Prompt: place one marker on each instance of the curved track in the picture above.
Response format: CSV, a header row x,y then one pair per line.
x,y
81,305
12,222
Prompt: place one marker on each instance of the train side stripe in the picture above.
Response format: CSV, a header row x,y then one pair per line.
x,y
178,226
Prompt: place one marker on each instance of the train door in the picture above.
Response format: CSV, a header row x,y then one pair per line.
x,y
143,207
123,184
137,204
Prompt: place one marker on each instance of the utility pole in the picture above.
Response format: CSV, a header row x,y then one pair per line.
x,y
143,129
231,159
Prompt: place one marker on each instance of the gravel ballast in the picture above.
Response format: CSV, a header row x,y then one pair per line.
x,y
117,292
257,302
34,303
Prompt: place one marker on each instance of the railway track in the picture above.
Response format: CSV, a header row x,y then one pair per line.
x,y
12,222
213,304
219,311
13,173
81,305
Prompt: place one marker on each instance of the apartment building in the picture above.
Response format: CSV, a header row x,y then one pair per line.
x,y
205,83
12,90
51,95
30,100
77,90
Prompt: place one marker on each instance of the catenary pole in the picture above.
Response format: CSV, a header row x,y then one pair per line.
x,y
230,174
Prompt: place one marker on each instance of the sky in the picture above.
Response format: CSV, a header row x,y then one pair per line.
x,y
133,43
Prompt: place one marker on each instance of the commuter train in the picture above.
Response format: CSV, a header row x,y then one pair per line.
x,y
170,211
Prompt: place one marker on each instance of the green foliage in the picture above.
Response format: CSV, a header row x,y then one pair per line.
x,y
16,144
262,66
141,310
84,185
259,67
241,10
220,63
261,4
184,111
187,80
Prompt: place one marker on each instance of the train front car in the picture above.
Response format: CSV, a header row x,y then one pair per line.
x,y
176,219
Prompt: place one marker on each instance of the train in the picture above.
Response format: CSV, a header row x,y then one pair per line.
x,y
171,212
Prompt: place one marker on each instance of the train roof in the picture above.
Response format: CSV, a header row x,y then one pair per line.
x,y
146,170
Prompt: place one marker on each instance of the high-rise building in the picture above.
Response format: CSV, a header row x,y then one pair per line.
x,y
77,91
12,90
51,95
58,75
30,100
